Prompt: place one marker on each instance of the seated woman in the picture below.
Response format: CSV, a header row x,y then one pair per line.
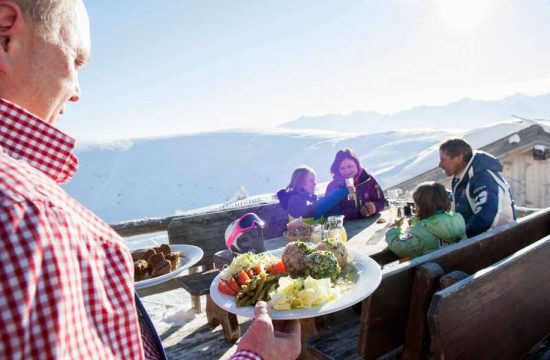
x,y
433,226
369,198
299,196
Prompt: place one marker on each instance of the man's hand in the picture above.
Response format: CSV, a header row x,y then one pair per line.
x,y
277,340
368,210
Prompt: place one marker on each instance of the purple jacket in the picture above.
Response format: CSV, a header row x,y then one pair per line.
x,y
367,190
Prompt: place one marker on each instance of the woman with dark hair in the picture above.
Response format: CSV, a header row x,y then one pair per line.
x,y
433,226
369,198
299,196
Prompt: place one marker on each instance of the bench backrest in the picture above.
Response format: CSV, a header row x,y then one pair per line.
x,y
207,231
385,312
500,312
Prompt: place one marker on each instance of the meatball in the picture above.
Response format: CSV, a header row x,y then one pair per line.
x,y
321,265
140,270
294,257
139,254
337,248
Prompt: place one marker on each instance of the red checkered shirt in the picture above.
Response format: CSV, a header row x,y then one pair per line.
x,y
66,278
245,355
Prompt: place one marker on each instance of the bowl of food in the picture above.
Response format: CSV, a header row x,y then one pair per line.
x,y
297,230
299,234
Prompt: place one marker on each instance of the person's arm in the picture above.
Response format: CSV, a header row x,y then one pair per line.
x,y
329,201
485,193
269,340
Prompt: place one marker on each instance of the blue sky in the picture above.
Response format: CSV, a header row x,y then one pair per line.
x,y
169,67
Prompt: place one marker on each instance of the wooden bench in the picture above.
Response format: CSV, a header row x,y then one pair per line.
x,y
340,342
500,312
386,313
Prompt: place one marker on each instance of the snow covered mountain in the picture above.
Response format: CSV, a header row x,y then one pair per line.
x,y
464,114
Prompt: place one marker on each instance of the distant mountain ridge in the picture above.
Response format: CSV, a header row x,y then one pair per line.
x,y
463,114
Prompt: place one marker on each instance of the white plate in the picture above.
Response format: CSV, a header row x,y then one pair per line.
x,y
369,277
190,255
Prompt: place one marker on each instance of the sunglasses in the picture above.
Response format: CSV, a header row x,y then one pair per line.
x,y
241,226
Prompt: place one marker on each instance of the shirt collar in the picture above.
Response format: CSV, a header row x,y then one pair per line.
x,y
458,178
26,137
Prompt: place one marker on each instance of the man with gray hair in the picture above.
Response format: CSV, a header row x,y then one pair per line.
x,y
66,278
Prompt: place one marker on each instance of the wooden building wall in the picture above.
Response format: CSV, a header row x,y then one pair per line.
x,y
529,179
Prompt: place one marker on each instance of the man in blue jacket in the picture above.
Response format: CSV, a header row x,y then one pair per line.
x,y
480,193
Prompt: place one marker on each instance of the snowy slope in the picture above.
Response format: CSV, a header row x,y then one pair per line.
x,y
158,177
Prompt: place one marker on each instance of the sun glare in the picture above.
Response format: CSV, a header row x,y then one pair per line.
x,y
463,16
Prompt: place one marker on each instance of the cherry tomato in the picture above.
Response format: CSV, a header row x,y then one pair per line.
x,y
224,288
277,267
242,278
233,285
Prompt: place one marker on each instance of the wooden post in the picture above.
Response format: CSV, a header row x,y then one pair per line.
x,y
417,338
195,299
217,316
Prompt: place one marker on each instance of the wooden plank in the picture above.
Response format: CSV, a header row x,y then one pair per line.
x,y
169,285
142,226
500,312
149,225
417,340
199,283
337,343
451,278
383,326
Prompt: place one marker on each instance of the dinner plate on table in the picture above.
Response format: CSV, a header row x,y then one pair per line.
x,y
367,280
190,255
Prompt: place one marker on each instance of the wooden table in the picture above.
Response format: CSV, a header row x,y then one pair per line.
x,y
366,236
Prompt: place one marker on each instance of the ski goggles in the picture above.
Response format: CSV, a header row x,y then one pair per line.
x,y
240,226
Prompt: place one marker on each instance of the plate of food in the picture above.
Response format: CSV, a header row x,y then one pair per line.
x,y
301,280
155,265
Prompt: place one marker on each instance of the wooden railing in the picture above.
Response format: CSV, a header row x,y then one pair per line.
x,y
150,225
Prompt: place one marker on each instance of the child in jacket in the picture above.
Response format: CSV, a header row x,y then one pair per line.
x,y
433,227
299,198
